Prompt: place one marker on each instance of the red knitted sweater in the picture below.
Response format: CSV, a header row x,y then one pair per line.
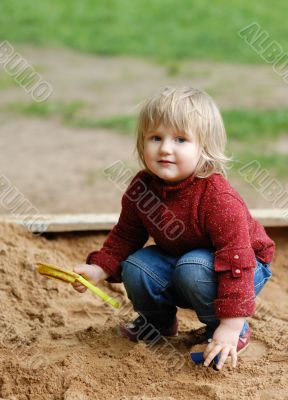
x,y
195,213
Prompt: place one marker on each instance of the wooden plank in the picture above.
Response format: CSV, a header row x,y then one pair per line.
x,y
105,222
65,222
271,217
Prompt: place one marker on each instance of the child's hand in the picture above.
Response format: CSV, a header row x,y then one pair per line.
x,y
92,273
225,339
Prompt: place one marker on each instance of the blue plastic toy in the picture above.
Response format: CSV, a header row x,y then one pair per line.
x,y
198,358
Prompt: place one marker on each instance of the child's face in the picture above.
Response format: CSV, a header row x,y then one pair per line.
x,y
170,155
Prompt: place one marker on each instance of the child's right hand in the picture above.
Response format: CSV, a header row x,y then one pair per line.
x,y
93,273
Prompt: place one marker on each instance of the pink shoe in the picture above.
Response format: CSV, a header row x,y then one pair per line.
x,y
198,350
243,341
139,329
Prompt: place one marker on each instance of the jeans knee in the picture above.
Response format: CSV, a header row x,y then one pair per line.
x,y
130,275
139,281
196,281
144,288
184,278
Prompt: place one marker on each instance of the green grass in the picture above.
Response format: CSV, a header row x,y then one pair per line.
x,y
69,113
246,125
6,82
161,29
66,112
242,125
122,124
275,163
250,133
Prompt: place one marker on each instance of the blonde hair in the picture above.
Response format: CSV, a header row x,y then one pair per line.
x,y
192,111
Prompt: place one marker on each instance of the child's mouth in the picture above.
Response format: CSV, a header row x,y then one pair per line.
x,y
165,162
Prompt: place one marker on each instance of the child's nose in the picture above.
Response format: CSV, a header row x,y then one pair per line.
x,y
166,147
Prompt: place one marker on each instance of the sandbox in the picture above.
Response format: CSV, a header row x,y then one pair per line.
x,y
57,344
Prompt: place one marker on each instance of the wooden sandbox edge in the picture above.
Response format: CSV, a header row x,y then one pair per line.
x,y
105,222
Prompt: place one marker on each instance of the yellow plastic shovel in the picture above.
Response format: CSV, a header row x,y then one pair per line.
x,y
55,272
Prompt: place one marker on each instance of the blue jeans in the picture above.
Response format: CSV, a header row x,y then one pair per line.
x,y
156,283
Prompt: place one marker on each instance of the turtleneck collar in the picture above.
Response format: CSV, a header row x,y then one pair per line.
x,y
166,187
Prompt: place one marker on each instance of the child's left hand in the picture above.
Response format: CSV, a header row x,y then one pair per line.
x,y
225,340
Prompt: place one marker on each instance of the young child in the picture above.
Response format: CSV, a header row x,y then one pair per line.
x,y
210,254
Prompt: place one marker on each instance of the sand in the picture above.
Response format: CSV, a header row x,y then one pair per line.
x,y
58,344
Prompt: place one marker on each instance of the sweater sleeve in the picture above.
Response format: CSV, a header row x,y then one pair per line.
x,y
127,236
227,225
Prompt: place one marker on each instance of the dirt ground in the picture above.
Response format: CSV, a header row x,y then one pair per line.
x,y
59,169
57,344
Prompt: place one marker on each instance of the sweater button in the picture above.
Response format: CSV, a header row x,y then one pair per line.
x,y
237,271
236,256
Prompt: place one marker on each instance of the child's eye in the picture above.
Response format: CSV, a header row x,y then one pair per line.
x,y
180,139
155,138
